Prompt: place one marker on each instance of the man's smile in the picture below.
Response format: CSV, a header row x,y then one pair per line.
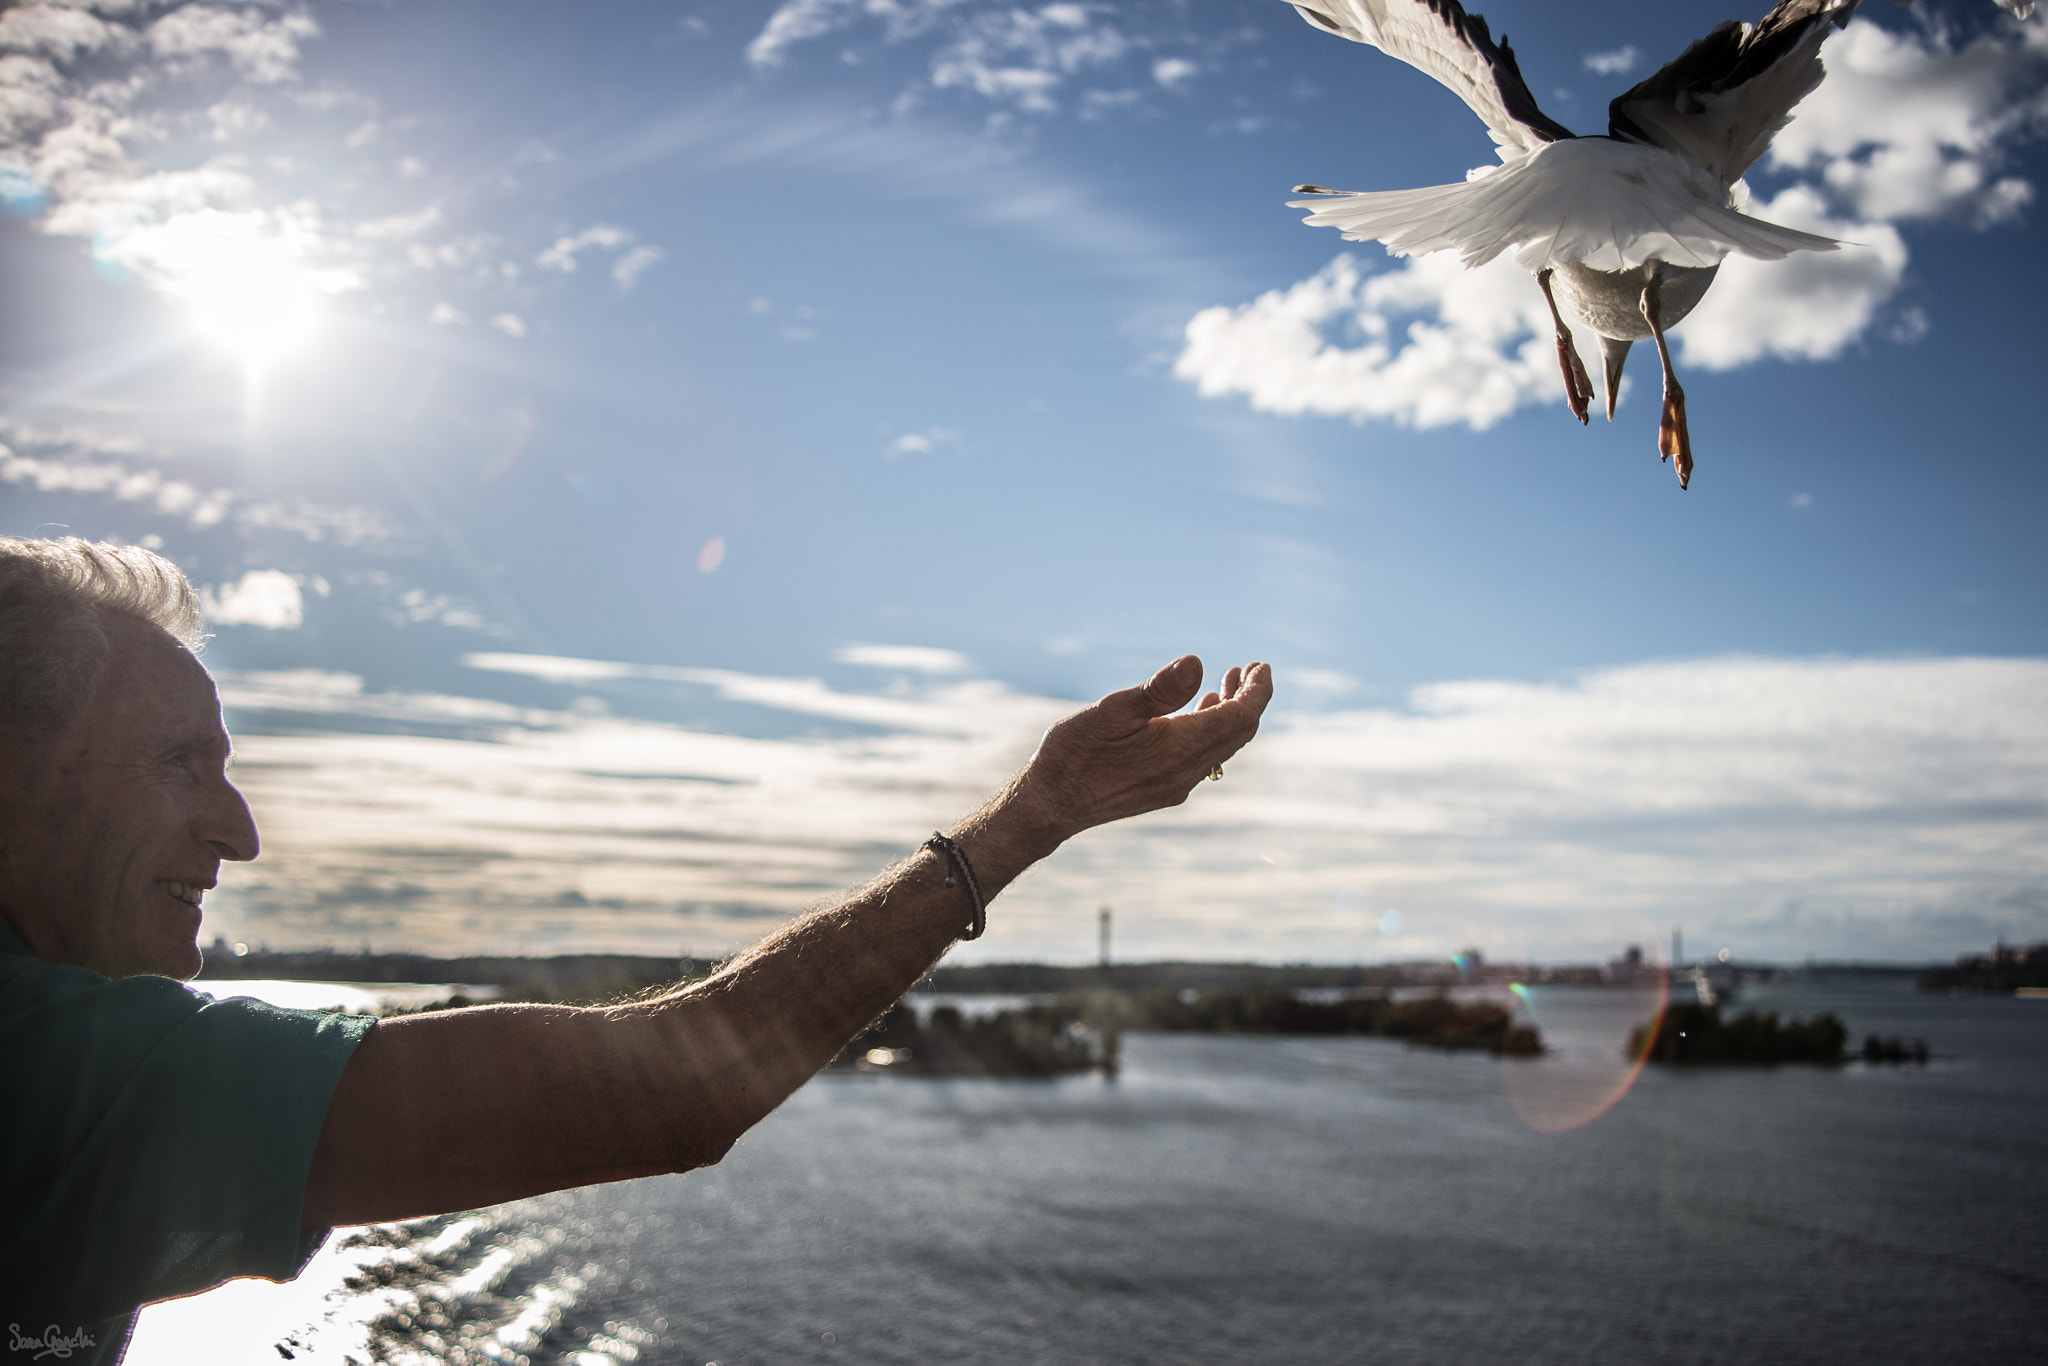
x,y
187,892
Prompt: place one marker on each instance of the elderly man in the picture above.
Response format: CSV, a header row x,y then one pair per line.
x,y
158,1142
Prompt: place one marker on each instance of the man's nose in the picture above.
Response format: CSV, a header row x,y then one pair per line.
x,y
230,829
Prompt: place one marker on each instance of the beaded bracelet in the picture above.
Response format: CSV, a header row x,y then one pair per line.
x,y
956,858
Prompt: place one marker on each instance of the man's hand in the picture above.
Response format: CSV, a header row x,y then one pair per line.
x,y
1129,754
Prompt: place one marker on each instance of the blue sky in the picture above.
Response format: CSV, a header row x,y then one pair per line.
x,y
651,462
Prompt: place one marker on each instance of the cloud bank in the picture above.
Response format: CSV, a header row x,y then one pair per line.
x,y
65,461
1870,808
1907,128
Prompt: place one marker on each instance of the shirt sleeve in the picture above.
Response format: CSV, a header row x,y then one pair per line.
x,y
156,1141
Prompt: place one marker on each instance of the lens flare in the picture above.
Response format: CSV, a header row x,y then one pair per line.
x,y
1588,1064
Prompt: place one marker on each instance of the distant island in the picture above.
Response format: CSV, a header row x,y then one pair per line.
x,y
1083,1032
1692,1034
1696,1035
2007,970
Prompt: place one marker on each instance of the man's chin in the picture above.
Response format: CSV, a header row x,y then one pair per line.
x,y
175,956
184,965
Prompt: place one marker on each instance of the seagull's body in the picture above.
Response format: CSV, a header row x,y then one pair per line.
x,y
1624,231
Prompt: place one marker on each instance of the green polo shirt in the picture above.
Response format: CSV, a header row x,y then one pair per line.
x,y
154,1142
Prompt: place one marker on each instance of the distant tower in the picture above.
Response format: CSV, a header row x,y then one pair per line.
x,y
1104,934
1677,946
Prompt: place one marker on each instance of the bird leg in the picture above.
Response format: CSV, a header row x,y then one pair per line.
x,y
1578,389
1674,443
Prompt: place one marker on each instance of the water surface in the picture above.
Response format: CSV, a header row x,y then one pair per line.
x,y
1257,1200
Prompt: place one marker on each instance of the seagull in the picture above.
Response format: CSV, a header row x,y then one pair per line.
x,y
1623,230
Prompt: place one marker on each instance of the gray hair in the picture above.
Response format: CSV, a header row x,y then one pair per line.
x,y
54,600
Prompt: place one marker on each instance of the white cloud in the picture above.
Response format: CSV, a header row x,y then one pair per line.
x,y
511,324
924,659
1905,128
1020,56
952,710
1854,807
1016,55
629,268
447,315
263,48
268,598
1424,343
799,21
1174,72
1615,63
562,255
61,31
920,443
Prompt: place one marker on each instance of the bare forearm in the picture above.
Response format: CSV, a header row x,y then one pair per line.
x,y
468,1108
742,1041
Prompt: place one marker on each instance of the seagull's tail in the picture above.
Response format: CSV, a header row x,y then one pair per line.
x,y
1591,201
1409,222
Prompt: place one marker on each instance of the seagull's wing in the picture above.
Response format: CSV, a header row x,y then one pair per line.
x,y
1438,37
1727,95
2020,8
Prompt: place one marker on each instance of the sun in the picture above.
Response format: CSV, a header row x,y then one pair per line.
x,y
245,281
261,311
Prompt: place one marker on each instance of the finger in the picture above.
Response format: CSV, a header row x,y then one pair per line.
x,y
1257,688
1231,681
1209,701
1213,734
1163,693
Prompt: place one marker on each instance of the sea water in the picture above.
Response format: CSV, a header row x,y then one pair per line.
x,y
1235,1200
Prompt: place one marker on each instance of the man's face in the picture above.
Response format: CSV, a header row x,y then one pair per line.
x,y
111,829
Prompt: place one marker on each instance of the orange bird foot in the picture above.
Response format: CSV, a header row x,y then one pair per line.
x,y
1674,443
1578,389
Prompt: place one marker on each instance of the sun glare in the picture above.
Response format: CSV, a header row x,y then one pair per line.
x,y
262,311
243,278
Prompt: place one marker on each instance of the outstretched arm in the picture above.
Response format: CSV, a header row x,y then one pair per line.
x,y
459,1109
